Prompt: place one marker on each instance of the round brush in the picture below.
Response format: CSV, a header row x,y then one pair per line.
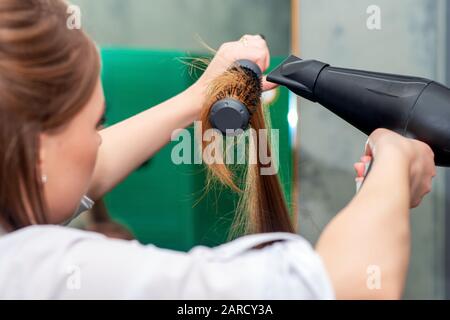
x,y
238,98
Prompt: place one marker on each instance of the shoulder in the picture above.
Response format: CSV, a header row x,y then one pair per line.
x,y
287,268
37,262
45,232
37,244
40,239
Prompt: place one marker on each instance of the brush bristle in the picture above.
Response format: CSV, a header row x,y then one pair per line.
x,y
241,84
262,206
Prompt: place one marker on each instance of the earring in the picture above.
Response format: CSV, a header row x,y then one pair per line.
x,y
44,179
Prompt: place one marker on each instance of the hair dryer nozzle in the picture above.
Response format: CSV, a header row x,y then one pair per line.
x,y
298,75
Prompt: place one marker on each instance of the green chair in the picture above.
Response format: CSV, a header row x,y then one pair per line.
x,y
163,203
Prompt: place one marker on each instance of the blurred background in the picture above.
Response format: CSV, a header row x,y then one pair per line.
x,y
414,39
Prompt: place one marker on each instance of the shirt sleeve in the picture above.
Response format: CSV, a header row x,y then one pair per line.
x,y
88,266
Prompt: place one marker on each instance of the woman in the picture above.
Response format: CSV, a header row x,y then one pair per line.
x,y
51,155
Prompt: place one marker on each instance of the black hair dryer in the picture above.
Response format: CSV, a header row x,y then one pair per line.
x,y
413,107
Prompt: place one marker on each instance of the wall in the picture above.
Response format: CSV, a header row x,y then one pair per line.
x,y
175,24
411,41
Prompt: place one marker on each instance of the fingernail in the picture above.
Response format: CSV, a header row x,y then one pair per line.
x,y
359,168
366,159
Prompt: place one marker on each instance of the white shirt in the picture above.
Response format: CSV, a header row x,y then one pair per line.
x,y
54,262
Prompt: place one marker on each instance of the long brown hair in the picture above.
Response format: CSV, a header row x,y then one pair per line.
x,y
48,72
262,206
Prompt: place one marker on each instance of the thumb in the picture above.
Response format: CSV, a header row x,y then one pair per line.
x,y
266,85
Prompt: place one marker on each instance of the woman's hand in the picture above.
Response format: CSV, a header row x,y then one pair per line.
x,y
250,47
419,157
373,230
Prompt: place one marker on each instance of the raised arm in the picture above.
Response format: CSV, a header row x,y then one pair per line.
x,y
129,143
366,247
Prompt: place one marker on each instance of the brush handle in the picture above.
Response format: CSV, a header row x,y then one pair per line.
x,y
248,64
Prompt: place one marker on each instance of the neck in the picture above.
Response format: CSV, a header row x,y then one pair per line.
x,y
3,228
2,231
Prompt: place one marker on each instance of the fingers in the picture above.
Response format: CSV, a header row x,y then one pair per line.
x,y
257,50
424,188
375,138
422,171
366,159
266,52
361,169
250,47
419,156
258,37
